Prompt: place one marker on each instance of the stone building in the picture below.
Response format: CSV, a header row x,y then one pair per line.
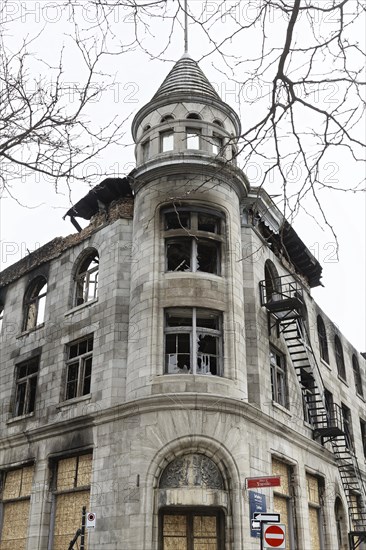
x,y
155,360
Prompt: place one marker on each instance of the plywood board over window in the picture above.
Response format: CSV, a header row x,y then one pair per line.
x,y
282,501
72,492
313,490
16,508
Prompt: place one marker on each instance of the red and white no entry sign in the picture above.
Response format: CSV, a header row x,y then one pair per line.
x,y
274,536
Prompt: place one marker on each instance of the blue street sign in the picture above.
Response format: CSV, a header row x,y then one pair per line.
x,y
257,503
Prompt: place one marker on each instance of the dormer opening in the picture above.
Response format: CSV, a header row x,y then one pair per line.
x,y
166,118
194,116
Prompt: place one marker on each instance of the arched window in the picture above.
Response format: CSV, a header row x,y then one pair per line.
x,y
322,336
272,281
166,118
87,279
339,358
194,116
357,375
218,123
35,302
146,128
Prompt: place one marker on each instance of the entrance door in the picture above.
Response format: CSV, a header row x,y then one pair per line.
x,y
191,530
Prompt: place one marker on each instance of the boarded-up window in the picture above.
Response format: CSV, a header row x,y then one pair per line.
x,y
16,505
190,530
313,490
282,501
73,477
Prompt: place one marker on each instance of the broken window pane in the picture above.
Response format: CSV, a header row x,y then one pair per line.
x,y
25,396
181,356
188,251
207,354
207,256
35,303
179,255
177,220
87,280
208,222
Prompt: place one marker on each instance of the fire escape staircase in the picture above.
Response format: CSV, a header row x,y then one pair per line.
x,y
283,299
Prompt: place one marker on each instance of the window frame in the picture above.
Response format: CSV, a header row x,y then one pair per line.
x,y
357,376
81,361
193,134
162,139
348,426
279,394
190,513
35,300
29,401
195,238
145,150
194,332
218,144
82,279
363,435
322,339
21,498
341,365
67,491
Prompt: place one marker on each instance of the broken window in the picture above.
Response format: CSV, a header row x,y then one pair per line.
x,y
278,377
193,341
193,138
357,375
363,435
71,493
193,240
308,388
87,279
26,386
17,487
347,423
166,141
79,368
322,337
35,303
339,358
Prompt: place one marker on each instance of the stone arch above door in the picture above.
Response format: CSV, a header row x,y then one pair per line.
x,y
192,470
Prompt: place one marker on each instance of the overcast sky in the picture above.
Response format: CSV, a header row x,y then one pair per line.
x,y
133,78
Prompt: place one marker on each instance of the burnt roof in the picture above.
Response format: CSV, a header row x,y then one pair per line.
x,y
107,191
296,251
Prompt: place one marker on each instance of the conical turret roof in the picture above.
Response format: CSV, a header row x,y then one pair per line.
x,y
187,78
185,83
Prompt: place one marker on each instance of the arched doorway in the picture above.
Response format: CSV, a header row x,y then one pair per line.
x,y
192,499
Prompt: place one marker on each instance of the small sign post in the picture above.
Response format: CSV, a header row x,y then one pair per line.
x,y
90,520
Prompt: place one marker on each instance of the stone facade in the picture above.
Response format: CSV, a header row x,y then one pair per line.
x,y
169,452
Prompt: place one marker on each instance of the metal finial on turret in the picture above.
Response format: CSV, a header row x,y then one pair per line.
x,y
185,26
